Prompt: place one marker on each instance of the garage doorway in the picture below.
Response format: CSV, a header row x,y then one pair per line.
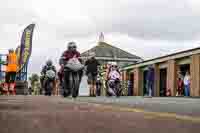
x,y
163,82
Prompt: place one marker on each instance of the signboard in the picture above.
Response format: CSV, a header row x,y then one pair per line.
x,y
25,49
0,68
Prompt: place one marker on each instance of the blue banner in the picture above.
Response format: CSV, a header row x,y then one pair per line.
x,y
25,49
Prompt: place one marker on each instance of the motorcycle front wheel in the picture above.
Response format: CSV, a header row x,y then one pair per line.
x,y
49,88
75,88
118,90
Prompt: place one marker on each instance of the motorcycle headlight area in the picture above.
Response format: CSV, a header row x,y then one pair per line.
x,y
50,74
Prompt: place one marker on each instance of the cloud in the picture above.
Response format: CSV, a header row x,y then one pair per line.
x,y
145,28
149,20
176,20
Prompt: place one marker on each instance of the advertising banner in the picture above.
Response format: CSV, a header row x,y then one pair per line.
x,y
25,49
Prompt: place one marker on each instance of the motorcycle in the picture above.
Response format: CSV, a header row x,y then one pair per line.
x,y
114,85
73,68
49,82
98,86
114,88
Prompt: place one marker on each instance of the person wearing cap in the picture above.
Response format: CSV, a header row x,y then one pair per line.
x,y
11,70
91,72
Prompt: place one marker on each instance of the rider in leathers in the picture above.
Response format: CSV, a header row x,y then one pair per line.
x,y
49,66
71,52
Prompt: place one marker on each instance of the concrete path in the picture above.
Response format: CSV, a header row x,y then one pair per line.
x,y
39,114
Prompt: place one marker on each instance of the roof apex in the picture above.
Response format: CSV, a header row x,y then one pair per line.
x,y
104,49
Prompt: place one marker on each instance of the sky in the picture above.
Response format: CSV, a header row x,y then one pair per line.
x,y
146,28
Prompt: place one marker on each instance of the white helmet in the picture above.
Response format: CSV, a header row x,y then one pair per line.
x,y
113,63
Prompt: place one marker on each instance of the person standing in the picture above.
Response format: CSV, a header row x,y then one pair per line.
x,y
36,88
180,85
61,78
187,84
11,71
130,87
150,80
91,72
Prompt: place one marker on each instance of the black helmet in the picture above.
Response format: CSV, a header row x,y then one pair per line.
x,y
11,50
71,45
49,62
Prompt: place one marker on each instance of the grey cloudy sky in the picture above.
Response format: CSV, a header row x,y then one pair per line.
x,y
147,28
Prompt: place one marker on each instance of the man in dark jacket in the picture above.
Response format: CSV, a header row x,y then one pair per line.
x,y
49,66
70,53
92,71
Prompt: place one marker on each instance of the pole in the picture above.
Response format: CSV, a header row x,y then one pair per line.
x,y
0,67
26,72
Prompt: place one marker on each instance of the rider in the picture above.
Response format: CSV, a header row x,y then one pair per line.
x,y
114,73
48,66
114,77
70,53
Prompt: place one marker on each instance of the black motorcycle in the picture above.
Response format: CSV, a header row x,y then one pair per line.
x,y
73,71
98,87
49,82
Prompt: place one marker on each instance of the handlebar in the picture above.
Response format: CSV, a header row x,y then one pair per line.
x,y
62,57
73,57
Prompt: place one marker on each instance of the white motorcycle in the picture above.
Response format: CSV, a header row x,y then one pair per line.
x,y
113,84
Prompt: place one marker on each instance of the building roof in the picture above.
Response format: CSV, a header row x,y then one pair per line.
x,y
164,58
106,50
